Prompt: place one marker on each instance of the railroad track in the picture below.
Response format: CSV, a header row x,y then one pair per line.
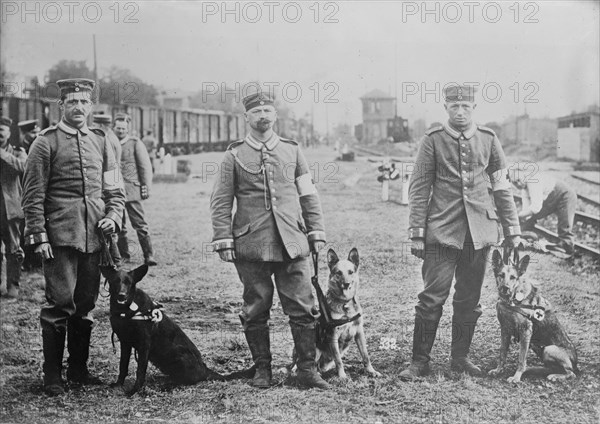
x,y
587,180
588,200
582,217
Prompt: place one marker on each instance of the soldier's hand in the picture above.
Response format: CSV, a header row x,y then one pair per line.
x,y
144,192
227,255
317,245
513,241
107,225
418,248
44,250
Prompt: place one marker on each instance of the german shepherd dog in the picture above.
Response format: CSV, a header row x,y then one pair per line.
x,y
343,306
528,318
140,324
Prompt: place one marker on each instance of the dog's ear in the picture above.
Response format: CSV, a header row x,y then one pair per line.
x,y
353,257
497,261
332,258
108,272
139,273
523,264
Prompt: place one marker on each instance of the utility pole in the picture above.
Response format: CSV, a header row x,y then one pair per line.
x,y
95,59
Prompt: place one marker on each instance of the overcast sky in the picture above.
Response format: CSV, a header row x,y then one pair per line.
x,y
334,52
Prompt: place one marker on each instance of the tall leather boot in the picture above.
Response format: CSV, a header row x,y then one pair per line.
x,y
423,339
260,347
305,342
53,343
146,244
123,245
463,328
13,274
79,332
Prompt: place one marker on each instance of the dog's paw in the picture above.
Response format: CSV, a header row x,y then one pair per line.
x,y
514,379
557,377
495,372
374,373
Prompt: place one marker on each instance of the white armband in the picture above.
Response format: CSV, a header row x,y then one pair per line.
x,y
304,185
499,180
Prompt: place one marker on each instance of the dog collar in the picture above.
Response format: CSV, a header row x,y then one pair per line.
x,y
134,313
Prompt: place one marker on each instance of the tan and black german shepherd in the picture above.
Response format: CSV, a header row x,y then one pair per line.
x,y
528,318
342,303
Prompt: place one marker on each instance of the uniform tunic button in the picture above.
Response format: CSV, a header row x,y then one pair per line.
x,y
464,154
274,207
464,145
466,188
464,172
272,181
273,190
464,163
465,179
274,199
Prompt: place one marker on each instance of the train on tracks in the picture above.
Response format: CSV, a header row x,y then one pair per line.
x,y
179,131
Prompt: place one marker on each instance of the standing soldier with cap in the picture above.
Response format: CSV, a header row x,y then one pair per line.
x,y
453,223
29,131
137,176
268,177
150,143
71,189
12,164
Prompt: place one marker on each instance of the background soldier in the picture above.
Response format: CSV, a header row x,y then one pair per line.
x,y
453,223
150,143
104,122
29,131
12,164
268,177
137,176
70,170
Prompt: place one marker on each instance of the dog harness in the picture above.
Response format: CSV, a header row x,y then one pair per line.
x,y
154,314
325,321
535,313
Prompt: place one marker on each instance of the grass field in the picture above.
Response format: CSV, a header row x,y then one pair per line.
x,y
203,295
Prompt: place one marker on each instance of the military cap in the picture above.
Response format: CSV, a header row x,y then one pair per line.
x,y
5,121
257,99
459,93
28,125
122,117
101,118
75,85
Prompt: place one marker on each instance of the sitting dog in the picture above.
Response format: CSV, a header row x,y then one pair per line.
x,y
140,324
528,318
346,313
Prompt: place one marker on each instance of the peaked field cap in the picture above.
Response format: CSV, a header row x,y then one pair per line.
x,y
459,93
75,85
5,121
28,125
100,118
257,99
122,117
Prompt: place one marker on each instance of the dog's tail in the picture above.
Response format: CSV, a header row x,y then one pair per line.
x,y
247,373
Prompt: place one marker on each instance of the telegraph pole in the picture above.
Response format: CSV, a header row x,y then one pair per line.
x,y
95,59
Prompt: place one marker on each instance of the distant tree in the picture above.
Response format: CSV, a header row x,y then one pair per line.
x,y
69,69
121,86
496,127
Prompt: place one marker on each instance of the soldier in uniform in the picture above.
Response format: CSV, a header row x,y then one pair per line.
x,y
70,190
453,223
137,176
103,122
29,131
12,164
150,143
268,177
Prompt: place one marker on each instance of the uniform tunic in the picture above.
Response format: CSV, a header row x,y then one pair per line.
x,y
71,182
452,209
12,164
277,213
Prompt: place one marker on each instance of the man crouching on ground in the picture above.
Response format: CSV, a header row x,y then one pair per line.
x,y
453,223
268,177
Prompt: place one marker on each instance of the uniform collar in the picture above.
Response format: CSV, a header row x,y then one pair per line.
x,y
124,140
63,126
456,134
258,145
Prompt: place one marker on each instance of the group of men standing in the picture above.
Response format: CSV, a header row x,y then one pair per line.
x,y
266,217
76,181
